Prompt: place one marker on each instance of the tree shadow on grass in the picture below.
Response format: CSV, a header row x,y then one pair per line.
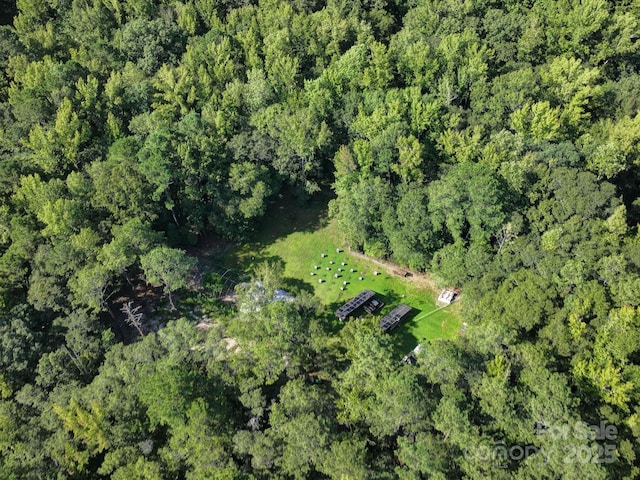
x,y
249,264
295,285
403,339
284,216
332,324
391,300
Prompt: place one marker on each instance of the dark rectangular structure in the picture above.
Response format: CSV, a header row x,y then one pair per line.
x,y
373,306
392,319
355,303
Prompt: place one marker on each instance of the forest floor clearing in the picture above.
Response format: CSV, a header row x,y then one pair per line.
x,y
316,259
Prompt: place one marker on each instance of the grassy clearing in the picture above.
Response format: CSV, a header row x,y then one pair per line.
x,y
297,237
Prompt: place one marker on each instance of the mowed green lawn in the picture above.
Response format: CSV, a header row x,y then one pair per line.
x,y
297,237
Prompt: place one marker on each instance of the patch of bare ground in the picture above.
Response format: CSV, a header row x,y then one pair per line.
x,y
205,324
231,344
230,298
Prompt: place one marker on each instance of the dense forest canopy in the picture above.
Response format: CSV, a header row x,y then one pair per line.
x,y
494,144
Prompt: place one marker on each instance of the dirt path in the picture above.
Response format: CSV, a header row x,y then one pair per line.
x,y
420,279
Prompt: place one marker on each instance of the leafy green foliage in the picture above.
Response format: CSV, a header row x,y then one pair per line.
x,y
168,267
495,144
